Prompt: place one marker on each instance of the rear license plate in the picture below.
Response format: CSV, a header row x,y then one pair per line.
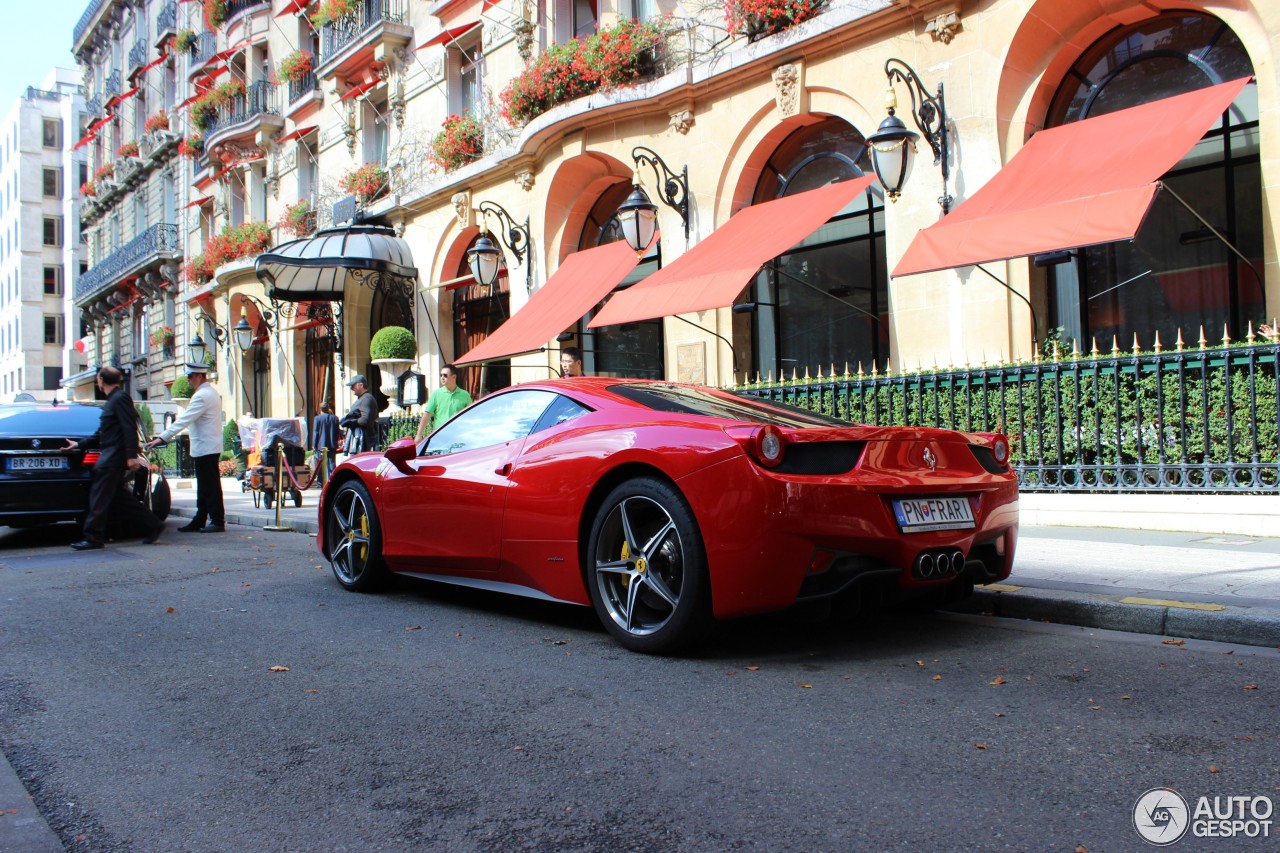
x,y
917,515
37,463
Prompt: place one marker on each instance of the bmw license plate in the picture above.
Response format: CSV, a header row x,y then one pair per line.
x,y
917,515
37,463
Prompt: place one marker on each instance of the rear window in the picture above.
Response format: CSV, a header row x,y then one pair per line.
x,y
721,404
48,419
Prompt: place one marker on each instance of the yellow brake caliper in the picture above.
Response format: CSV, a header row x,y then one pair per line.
x,y
364,531
626,554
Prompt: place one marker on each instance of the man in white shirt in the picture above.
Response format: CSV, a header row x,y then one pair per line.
x,y
203,420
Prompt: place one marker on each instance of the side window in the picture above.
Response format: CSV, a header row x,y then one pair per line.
x,y
561,409
494,420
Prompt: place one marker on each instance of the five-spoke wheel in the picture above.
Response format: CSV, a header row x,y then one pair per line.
x,y
354,539
647,567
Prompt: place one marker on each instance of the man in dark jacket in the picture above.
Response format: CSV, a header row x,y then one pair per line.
x,y
324,434
109,495
361,422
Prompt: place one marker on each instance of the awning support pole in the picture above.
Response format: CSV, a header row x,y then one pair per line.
x,y
1035,323
1214,231
732,351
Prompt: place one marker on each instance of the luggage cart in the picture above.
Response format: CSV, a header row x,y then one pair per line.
x,y
269,437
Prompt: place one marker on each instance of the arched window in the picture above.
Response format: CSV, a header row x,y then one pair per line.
x,y
630,349
1176,275
826,302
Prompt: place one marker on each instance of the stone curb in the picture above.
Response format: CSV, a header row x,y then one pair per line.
x,y
308,526
1251,626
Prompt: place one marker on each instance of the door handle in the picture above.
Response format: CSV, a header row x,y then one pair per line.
x,y
504,471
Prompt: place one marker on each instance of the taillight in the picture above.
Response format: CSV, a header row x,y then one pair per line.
x,y
1000,449
768,446
90,458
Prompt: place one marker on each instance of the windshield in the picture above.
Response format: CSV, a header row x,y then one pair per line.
x,y
47,419
720,404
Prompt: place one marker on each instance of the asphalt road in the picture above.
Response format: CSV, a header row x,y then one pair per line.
x,y
139,705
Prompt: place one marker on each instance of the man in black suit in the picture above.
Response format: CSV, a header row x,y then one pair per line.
x,y
109,495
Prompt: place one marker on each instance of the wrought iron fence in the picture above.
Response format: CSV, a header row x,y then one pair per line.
x,y
112,86
303,87
1192,421
138,55
167,20
204,47
340,33
235,7
396,427
155,241
258,99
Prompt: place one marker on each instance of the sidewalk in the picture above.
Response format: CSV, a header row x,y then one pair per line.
x,y
1189,585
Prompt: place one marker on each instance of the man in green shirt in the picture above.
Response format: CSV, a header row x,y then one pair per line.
x,y
444,402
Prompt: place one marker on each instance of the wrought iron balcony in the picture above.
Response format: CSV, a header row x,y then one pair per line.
x,y
154,244
302,88
259,99
138,55
113,85
235,7
369,14
205,46
93,106
167,20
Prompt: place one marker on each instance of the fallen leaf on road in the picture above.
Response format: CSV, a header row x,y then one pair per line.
x,y
517,748
980,745
999,680
10,811
413,628
1080,848
1095,707
1173,642
1251,687
311,690
102,600
807,686
457,633
919,663
278,668
937,678
751,668
1213,769
171,610
998,714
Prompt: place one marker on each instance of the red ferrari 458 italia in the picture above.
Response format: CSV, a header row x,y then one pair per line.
x,y
668,506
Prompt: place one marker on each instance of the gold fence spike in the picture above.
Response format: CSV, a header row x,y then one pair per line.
x,y
1075,349
1204,342
1226,337
1095,352
1136,348
1179,343
1250,337
846,369
860,373
1115,346
1157,346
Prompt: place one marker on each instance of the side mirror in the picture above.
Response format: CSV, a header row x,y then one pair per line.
x,y
401,451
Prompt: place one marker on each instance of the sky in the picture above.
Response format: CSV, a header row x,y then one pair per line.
x,y
34,38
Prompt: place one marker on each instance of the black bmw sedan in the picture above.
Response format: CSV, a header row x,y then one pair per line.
x,y
40,481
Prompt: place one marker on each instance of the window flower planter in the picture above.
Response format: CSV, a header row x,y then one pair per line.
x,y
367,182
460,141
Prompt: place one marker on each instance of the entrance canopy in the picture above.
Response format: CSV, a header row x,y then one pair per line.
x,y
714,272
1080,184
321,266
580,283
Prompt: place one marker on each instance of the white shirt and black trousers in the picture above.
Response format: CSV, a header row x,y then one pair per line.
x,y
203,420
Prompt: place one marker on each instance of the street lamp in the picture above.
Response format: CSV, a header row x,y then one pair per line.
x,y
638,216
893,143
243,332
484,258
197,349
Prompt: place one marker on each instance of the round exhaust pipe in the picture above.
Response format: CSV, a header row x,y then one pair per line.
x,y
943,564
957,561
925,565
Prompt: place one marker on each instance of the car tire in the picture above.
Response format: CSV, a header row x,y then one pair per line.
x,y
161,498
647,568
353,539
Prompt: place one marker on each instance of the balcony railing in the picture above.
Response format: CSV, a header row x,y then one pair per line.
x,y
205,46
259,99
336,36
1194,421
113,85
235,7
146,247
93,106
138,55
167,20
86,18
302,88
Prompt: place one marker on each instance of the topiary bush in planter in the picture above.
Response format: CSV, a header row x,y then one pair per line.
x,y
393,342
181,389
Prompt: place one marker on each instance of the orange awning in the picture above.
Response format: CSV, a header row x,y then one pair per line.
x,y
295,134
121,98
198,202
448,35
357,91
714,272
581,281
84,140
293,7
1080,184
